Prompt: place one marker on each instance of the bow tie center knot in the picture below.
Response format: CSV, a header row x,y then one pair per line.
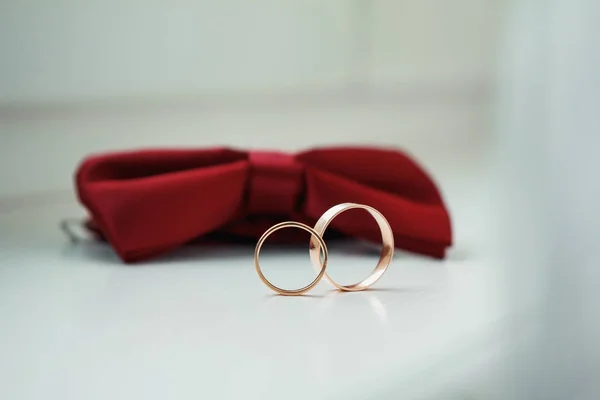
x,y
276,181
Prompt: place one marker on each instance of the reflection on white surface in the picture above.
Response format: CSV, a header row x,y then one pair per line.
x,y
198,323
378,308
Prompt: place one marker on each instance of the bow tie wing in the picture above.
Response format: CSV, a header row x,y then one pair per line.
x,y
150,201
389,181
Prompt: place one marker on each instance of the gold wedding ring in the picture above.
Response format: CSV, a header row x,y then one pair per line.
x,y
317,245
387,250
314,236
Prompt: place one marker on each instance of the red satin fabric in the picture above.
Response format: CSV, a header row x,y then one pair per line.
x,y
148,202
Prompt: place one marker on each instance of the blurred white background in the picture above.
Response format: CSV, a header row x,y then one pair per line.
x,y
86,76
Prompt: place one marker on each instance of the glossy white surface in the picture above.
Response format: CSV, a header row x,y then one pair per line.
x,y
78,324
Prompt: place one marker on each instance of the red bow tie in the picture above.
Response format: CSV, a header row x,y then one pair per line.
x,y
148,202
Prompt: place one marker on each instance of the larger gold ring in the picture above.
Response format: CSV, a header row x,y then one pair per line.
x,y
314,236
387,250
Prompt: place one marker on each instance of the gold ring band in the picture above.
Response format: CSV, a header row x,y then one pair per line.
x,y
316,240
387,250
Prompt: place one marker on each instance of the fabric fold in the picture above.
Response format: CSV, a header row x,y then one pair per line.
x,y
145,203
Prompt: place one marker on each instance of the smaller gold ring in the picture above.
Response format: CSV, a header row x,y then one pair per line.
x,y
387,250
314,235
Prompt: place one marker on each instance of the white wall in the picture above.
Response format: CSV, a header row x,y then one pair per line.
x,y
97,49
80,76
72,50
